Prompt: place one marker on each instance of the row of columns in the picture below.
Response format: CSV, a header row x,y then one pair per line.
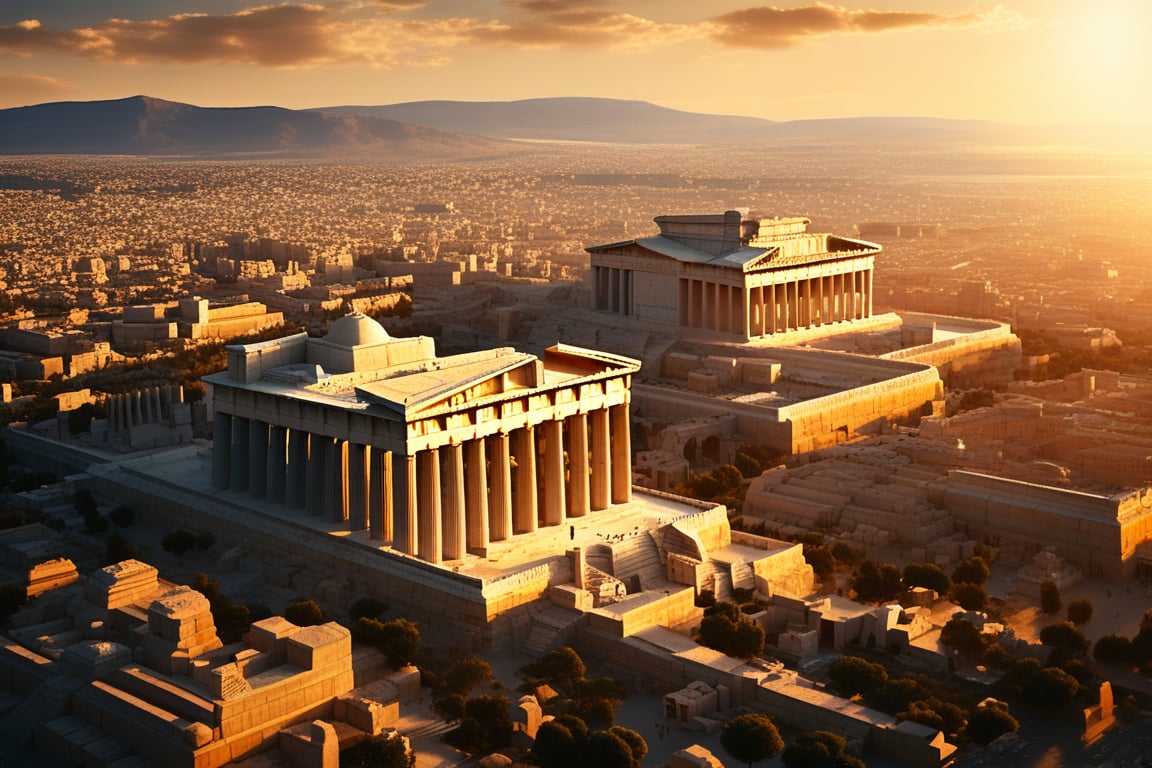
x,y
776,308
437,503
612,290
142,406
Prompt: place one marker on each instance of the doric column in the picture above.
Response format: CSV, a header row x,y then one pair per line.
x,y
357,487
137,414
500,487
335,493
621,454
277,465
257,457
380,496
240,436
221,445
405,521
807,314
683,309
747,319
455,544
476,495
577,496
553,473
297,473
428,508
601,480
868,301
316,478
524,512
614,282
707,306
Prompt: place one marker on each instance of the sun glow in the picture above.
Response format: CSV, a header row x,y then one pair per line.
x,y
1105,61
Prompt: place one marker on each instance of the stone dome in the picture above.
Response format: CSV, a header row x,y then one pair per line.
x,y
356,329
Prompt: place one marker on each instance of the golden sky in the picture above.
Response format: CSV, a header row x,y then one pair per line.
x,y
1019,61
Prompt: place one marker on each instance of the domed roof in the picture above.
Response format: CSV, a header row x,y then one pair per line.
x,y
356,329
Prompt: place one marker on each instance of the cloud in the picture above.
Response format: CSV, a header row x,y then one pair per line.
x,y
771,27
307,35
20,89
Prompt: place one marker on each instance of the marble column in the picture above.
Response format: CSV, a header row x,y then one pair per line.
x,y
240,436
524,500
868,300
277,465
476,495
316,479
357,487
601,465
257,457
499,487
428,506
621,454
455,531
221,447
334,480
295,479
405,520
380,496
554,503
578,460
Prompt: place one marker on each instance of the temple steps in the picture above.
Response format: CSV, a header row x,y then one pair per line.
x,y
49,701
637,556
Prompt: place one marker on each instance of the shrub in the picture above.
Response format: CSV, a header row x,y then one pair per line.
x,y
1113,649
178,542
123,516
970,597
927,575
972,571
1064,635
367,607
851,675
305,613
990,721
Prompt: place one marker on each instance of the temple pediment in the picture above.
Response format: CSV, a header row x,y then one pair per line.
x,y
452,385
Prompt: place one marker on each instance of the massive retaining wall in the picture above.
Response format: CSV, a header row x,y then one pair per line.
x,y
971,352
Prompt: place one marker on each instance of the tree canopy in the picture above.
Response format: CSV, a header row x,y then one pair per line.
x,y
751,738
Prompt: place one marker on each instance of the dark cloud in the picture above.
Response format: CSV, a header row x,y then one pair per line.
x,y
771,27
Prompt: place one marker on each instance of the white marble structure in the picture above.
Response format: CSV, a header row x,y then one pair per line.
x,y
438,456
741,278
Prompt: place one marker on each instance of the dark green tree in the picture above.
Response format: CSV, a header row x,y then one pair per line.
x,y
751,738
970,597
305,613
963,637
1080,612
178,542
927,575
1050,598
819,749
555,746
989,721
821,560
974,570
379,751
562,667
1064,635
636,743
1050,688
851,675
467,673
604,748
1113,649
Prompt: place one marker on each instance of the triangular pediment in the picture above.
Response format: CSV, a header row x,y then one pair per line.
x,y
762,262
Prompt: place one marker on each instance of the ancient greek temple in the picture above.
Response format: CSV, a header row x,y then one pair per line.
x,y
436,456
736,277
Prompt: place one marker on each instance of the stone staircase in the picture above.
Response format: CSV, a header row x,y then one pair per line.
x,y
637,556
551,626
73,740
49,701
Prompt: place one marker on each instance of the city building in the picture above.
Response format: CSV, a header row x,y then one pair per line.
x,y
744,278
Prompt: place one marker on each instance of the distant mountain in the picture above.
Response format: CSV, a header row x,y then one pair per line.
x,y
141,125
615,120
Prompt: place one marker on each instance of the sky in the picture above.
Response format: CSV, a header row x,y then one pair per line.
x,y
1017,61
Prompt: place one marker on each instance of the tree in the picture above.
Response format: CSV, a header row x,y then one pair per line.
x,y
178,542
821,560
990,721
398,639
963,637
941,715
970,597
123,516
1050,688
875,583
379,751
305,613
727,630
974,570
1080,612
492,713
819,749
449,706
467,673
1113,649
851,675
896,695
605,749
1064,635
751,738
636,743
366,607
555,746
927,575
1049,598
117,549
562,667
